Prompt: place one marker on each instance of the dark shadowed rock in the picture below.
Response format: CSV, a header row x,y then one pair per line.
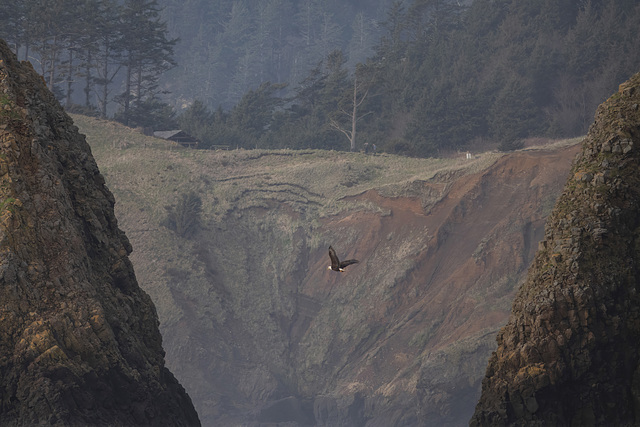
x,y
570,352
79,340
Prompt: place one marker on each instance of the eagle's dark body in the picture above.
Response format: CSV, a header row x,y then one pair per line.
x,y
336,265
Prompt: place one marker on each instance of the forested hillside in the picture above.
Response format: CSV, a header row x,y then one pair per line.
x,y
442,76
229,47
418,77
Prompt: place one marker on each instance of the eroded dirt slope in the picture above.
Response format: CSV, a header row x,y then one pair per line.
x,y
431,290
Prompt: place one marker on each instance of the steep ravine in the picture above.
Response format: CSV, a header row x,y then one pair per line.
x,y
259,330
570,353
79,339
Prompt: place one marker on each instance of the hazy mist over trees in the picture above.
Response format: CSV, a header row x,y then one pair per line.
x,y
96,46
417,77
232,46
441,75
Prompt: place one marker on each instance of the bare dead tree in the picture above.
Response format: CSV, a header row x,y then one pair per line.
x,y
360,92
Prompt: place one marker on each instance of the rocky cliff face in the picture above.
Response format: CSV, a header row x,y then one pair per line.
x,y
79,340
570,352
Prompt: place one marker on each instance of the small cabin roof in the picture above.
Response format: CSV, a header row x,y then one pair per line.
x,y
179,136
168,134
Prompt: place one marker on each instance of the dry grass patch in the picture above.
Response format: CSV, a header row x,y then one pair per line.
x,y
152,173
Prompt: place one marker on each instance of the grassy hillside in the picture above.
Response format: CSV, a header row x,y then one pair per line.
x,y
248,311
163,169
330,175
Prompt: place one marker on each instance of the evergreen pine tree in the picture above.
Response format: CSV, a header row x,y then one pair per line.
x,y
147,53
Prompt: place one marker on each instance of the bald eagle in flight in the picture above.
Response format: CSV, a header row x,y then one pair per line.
x,y
336,265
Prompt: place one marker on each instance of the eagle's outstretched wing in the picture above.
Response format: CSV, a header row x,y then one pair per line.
x,y
343,264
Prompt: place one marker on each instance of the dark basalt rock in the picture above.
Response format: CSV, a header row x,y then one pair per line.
x,y
570,352
79,340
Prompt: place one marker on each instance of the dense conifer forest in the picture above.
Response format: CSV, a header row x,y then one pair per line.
x,y
417,77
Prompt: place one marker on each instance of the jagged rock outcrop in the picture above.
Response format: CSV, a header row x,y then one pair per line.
x,y
570,352
79,340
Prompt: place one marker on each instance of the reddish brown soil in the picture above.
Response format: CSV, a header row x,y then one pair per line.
x,y
465,258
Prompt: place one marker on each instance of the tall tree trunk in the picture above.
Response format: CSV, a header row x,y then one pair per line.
x,y
87,86
139,88
354,113
127,93
105,83
52,70
69,79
